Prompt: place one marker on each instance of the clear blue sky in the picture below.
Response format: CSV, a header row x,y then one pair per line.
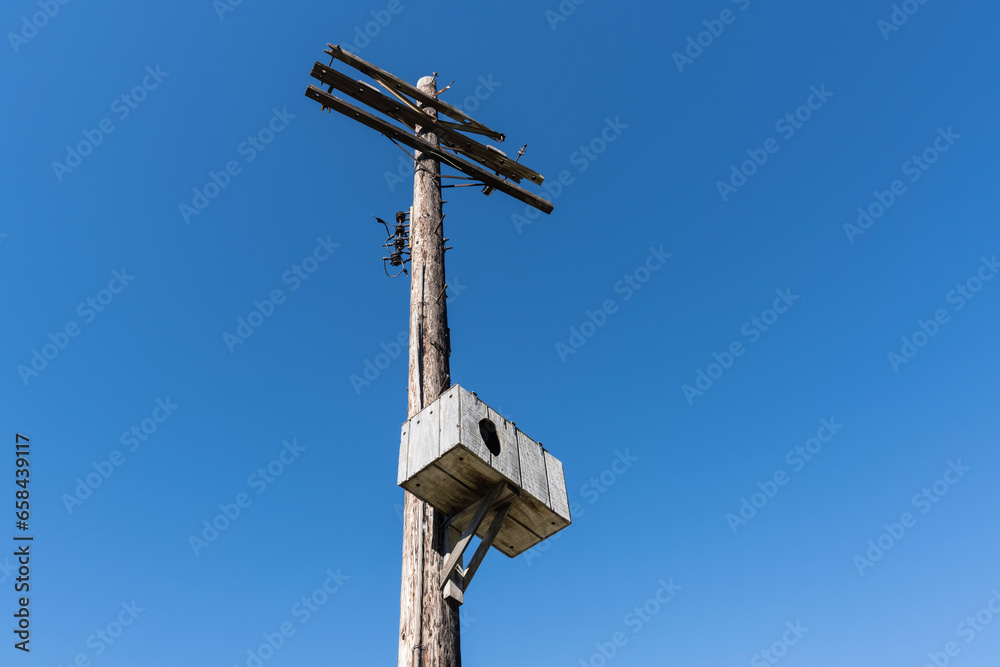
x,y
776,322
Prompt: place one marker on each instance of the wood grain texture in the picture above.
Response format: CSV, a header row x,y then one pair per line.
x,y
514,539
482,506
442,490
508,494
558,500
428,623
487,541
532,463
431,149
536,517
425,438
468,468
423,96
507,461
410,116
473,410
451,419
404,441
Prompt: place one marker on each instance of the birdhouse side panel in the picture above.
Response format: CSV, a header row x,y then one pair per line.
x,y
532,465
558,499
425,439
404,453
472,412
450,418
506,461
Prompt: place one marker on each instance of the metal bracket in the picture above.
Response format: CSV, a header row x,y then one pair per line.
x,y
499,500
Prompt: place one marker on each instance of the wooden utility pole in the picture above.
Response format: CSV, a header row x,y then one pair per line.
x,y
429,634
433,581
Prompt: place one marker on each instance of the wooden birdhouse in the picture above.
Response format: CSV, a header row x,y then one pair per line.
x,y
463,458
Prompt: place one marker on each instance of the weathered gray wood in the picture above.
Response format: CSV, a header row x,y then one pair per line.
x,y
423,97
460,519
466,128
405,101
452,485
404,449
425,439
392,131
473,410
533,510
558,500
453,589
411,117
453,592
453,558
506,462
484,546
451,418
532,461
535,516
442,490
459,475
475,473
514,538
428,622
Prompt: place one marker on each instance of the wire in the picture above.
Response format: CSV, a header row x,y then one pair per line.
x,y
402,149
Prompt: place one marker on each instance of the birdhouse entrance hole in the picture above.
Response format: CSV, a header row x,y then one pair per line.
x,y
488,430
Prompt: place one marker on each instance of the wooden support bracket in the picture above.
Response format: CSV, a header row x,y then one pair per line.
x,y
499,500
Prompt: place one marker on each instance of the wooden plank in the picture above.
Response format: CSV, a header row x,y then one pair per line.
x,y
451,419
369,95
453,588
425,436
416,143
531,513
366,67
532,463
506,462
456,553
529,522
448,494
465,128
471,470
484,156
441,490
507,494
453,592
473,410
558,500
413,118
404,442
514,538
536,517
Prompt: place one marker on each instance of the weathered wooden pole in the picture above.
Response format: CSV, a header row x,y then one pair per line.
x,y
428,624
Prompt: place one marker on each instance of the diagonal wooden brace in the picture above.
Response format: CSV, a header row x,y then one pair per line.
x,y
500,498
484,546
